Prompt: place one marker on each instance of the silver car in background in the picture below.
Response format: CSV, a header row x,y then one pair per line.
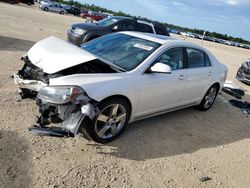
x,y
48,6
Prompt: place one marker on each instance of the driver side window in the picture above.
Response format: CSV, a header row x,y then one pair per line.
x,y
173,57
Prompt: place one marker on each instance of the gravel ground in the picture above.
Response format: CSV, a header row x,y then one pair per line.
x,y
172,150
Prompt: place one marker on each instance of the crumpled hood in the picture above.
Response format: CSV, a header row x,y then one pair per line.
x,y
53,54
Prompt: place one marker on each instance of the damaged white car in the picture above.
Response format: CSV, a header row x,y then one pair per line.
x,y
99,88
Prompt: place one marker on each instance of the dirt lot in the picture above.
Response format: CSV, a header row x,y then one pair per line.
x,y
172,150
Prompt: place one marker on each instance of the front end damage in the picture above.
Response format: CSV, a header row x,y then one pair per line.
x,y
243,73
68,117
65,113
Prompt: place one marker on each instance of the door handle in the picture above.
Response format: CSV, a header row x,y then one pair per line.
x,y
181,77
210,73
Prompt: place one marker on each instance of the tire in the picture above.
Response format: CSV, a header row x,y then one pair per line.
x,y
209,98
46,9
91,38
61,12
109,123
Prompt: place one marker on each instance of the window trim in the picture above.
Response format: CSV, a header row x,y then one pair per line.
x,y
204,58
208,59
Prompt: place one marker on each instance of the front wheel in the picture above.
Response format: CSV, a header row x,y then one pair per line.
x,y
209,98
110,122
61,12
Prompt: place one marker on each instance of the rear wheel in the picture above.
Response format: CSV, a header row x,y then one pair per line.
x,y
46,9
209,98
110,122
61,12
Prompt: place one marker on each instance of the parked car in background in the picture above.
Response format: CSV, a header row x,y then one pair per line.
x,y
73,10
183,33
28,2
116,79
96,16
245,46
83,32
175,31
108,15
11,1
44,2
53,8
243,73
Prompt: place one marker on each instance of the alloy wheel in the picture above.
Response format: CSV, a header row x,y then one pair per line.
x,y
210,97
110,121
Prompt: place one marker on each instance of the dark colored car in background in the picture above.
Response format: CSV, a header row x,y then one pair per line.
x,y
73,10
83,32
28,2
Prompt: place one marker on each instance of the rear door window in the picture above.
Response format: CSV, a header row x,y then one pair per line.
x,y
196,58
126,26
160,30
144,28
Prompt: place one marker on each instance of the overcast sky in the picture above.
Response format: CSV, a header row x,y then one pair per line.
x,y
230,17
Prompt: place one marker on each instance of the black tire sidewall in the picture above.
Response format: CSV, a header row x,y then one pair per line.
x,y
90,125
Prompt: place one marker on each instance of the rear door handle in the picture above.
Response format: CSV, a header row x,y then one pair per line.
x,y
181,77
210,73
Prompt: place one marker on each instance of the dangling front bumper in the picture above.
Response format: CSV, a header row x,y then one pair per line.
x,y
67,118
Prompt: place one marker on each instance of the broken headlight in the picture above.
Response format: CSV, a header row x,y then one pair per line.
x,y
59,94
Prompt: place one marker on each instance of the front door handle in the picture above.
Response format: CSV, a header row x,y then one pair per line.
x,y
181,77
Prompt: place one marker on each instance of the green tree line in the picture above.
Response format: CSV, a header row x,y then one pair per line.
x,y
185,29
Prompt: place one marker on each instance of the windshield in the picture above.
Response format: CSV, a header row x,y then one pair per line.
x,y
124,51
108,21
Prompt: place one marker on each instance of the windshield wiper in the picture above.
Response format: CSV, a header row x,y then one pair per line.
x,y
113,66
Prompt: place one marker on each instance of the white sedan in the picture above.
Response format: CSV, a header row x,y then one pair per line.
x,y
99,88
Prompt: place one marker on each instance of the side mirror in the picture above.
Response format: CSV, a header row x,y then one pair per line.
x,y
160,68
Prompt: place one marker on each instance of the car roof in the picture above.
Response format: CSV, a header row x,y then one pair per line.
x,y
121,17
162,39
150,36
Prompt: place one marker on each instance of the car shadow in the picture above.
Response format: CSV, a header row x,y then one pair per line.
x,y
14,161
180,132
14,44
